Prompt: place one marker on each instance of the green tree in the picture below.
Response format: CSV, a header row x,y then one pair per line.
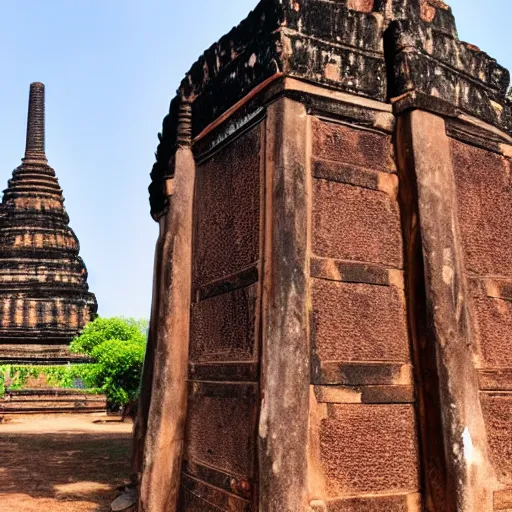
x,y
117,346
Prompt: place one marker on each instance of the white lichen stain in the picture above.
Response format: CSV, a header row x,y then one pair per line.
x,y
263,426
469,449
275,468
447,275
448,271
252,60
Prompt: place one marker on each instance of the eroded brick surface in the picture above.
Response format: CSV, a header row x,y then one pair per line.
x,y
220,427
356,224
222,327
369,448
400,503
497,409
358,322
227,210
484,196
368,149
494,331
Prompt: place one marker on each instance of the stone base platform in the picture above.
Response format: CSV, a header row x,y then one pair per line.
x,y
52,401
39,355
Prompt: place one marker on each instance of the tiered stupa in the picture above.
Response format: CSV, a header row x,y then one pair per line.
x,y
44,296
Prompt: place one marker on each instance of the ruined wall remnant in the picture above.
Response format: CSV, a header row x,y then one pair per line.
x,y
331,319
44,297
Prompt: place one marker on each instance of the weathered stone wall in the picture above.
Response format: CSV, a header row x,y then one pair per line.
x,y
220,453
349,288
482,174
364,417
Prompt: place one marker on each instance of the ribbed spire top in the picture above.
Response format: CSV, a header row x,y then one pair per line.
x,y
35,123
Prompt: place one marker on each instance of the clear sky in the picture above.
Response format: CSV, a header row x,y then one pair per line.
x,y
111,68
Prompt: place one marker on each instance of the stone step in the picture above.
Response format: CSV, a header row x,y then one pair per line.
x,y
51,401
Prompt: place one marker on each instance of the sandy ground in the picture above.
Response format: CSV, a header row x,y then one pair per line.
x,y
62,463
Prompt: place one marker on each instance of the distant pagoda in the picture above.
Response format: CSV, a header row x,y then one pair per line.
x,y
44,296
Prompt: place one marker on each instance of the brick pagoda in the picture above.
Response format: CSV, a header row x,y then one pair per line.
x,y
44,296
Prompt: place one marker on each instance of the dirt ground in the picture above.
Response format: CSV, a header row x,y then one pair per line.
x,y
62,463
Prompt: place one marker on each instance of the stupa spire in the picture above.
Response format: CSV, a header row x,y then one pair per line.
x,y
35,145
44,295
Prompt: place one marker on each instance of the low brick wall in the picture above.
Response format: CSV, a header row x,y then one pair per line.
x,y
51,401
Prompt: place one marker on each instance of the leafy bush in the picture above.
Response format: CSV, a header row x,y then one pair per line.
x,y
118,369
117,345
104,329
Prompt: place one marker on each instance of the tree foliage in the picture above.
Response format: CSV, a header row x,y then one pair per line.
x,y
117,346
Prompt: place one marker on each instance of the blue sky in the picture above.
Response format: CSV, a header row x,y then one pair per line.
x,y
110,68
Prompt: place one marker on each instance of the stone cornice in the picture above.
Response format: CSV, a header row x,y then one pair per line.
x,y
379,49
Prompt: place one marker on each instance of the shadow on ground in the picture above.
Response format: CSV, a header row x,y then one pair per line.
x,y
69,470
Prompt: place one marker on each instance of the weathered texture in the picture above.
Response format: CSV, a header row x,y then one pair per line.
x,y
485,205
163,447
482,172
44,296
344,218
447,312
283,428
219,466
223,327
369,449
221,424
228,211
344,319
497,409
346,303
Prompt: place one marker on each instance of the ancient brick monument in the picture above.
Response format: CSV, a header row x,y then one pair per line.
x,y
332,316
44,297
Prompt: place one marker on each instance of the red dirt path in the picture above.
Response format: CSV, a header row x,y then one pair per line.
x,y
62,463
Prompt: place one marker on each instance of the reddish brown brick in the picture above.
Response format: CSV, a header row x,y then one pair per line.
x,y
342,143
358,322
484,196
222,327
220,427
356,224
494,331
497,408
369,448
227,210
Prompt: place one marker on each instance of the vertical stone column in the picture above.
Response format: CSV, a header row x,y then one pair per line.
x,y
163,449
425,160
283,429
144,402
35,145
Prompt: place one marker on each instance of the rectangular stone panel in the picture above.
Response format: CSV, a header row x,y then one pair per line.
x,y
227,210
223,327
352,145
388,503
503,500
198,497
494,331
484,196
355,223
221,427
369,449
497,409
358,322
